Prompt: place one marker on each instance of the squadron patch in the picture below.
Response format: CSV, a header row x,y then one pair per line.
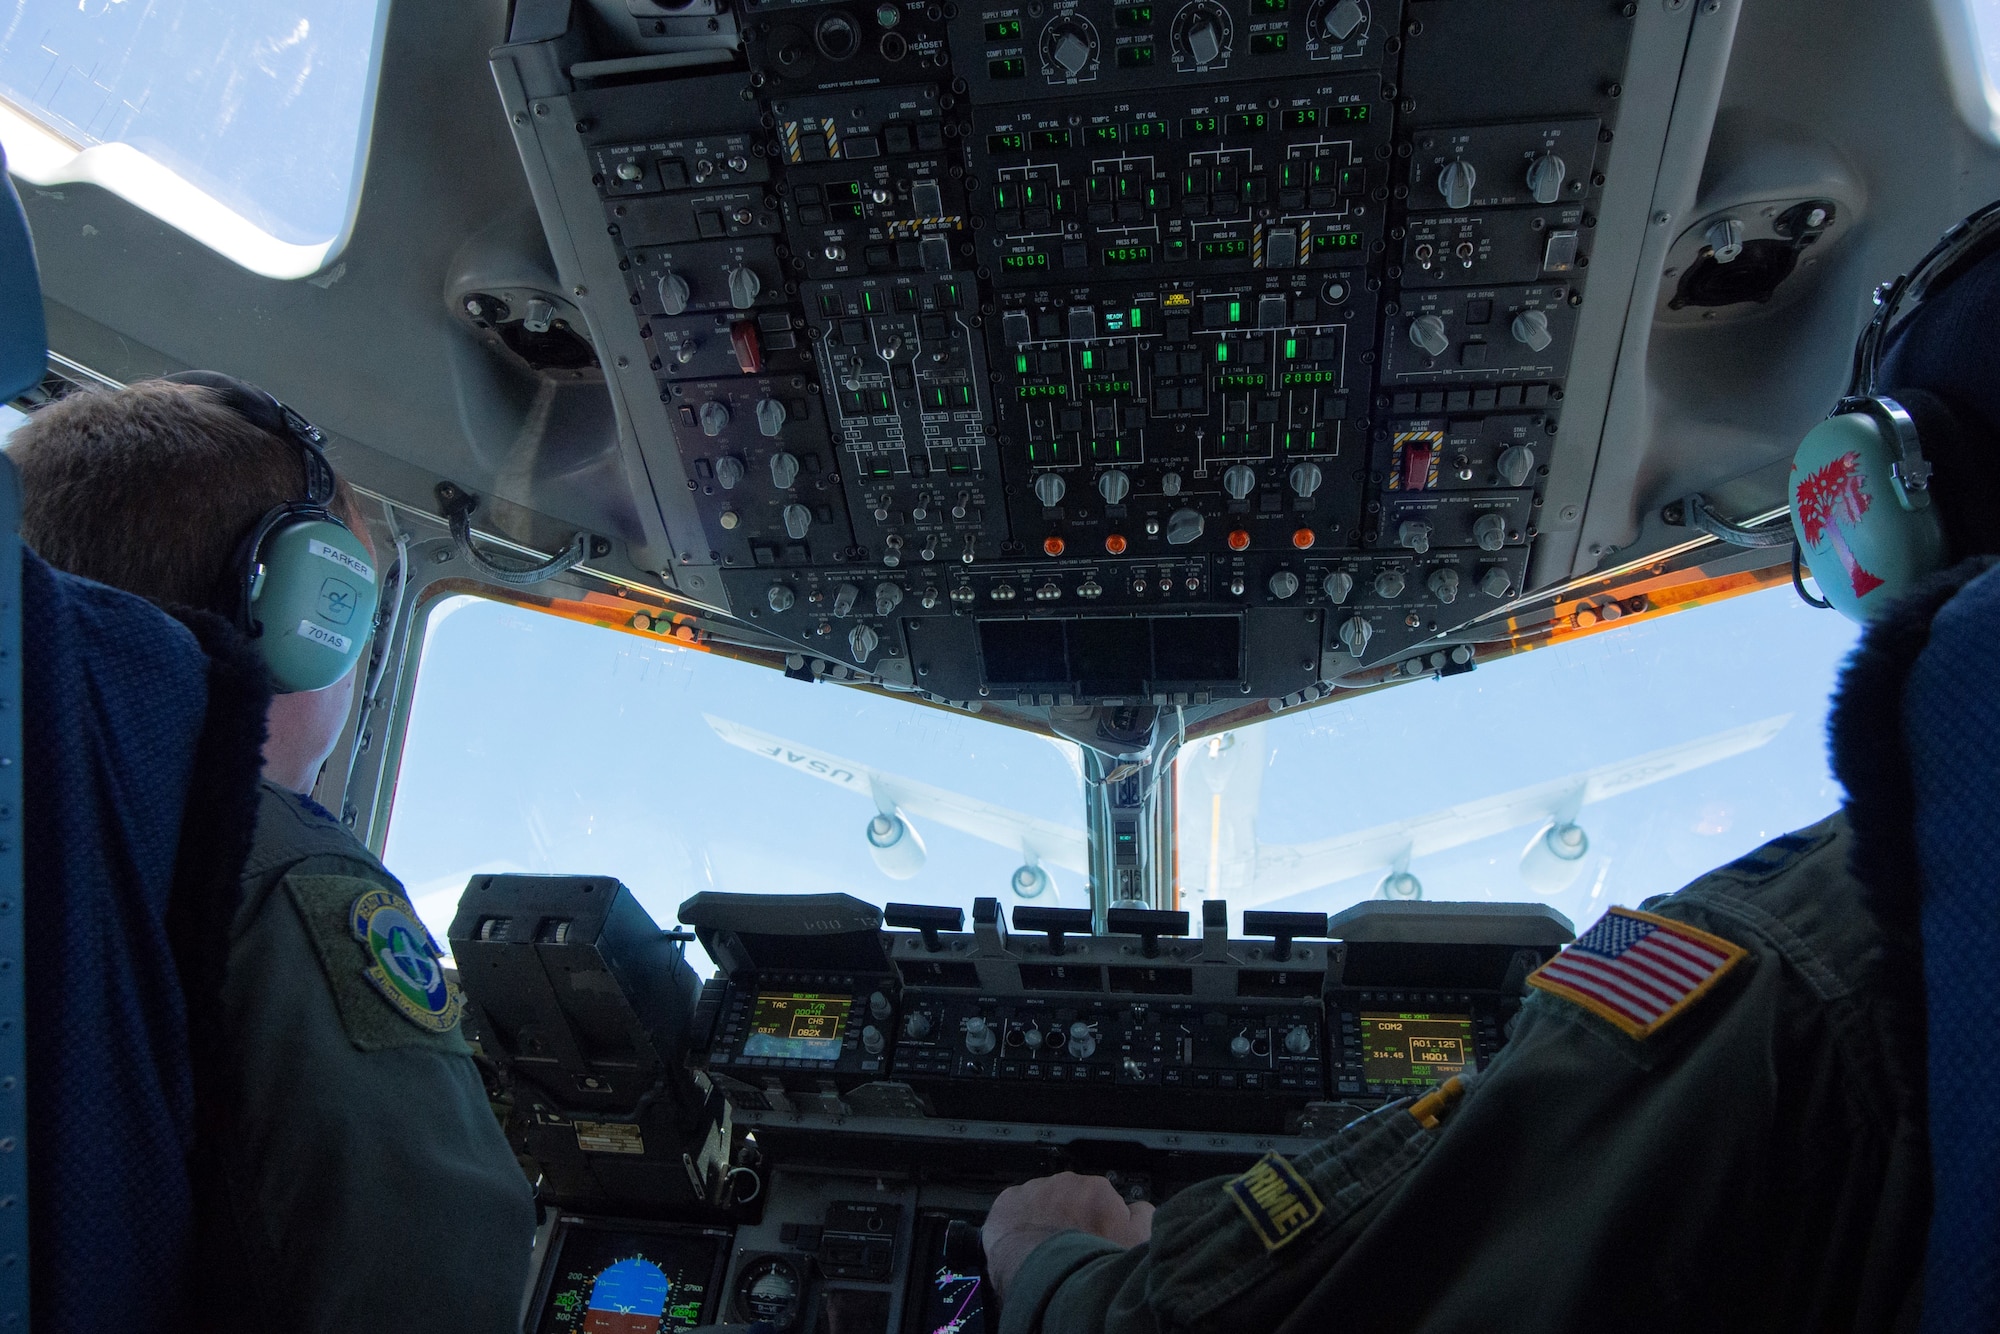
x,y
1638,970
1276,1199
403,960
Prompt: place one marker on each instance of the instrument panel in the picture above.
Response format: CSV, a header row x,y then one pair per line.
x,y
1105,352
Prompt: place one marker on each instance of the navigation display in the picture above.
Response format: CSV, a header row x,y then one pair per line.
x,y
944,1298
1415,1049
611,1280
797,1026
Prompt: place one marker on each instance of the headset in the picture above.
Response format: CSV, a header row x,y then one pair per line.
x,y
1861,506
300,583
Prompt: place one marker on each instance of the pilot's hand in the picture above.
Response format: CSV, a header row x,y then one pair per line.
x,y
1027,1215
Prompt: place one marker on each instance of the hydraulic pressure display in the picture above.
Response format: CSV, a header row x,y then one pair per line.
x,y
1415,1049
630,1280
797,1025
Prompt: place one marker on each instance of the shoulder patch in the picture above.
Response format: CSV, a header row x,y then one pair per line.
x,y
383,966
1276,1199
403,960
1637,970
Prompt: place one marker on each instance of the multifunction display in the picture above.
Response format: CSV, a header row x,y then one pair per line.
x,y
797,1026
1415,1049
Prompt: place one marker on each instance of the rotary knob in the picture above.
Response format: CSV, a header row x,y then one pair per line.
x,y
1239,480
1050,488
1531,329
1114,486
1082,1042
1239,1046
1338,587
861,643
744,285
1725,239
1514,464
1170,484
1389,584
1298,1039
798,521
1415,535
1428,336
878,1006
1184,526
673,293
978,1036
1545,178
1304,478
1495,583
1455,183
713,416
916,1025
1443,585
784,469
780,597
1490,531
872,1040
728,468
1069,44
1355,632
1031,1038
1345,19
1283,584
887,598
1204,38
771,416
844,598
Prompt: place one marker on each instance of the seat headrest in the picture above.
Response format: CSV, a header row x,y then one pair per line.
x,y
24,339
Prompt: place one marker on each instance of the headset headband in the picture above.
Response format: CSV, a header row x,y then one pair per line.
x,y
1961,247
262,410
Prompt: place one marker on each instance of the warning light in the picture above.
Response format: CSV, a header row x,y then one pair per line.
x,y
1303,538
1238,539
1052,546
1115,544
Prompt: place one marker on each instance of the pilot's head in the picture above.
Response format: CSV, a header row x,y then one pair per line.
x,y
153,489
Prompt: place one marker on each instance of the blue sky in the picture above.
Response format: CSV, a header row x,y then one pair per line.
x,y
541,745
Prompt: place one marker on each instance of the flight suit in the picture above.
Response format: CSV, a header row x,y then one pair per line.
x,y
1758,1162
364,1184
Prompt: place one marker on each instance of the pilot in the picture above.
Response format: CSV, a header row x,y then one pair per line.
x,y
359,1179
1710,1113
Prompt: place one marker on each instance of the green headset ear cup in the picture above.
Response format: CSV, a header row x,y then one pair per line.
x,y
315,602
1864,547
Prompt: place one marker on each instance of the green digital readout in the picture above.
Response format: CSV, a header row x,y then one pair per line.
x,y
1269,43
1269,6
1127,254
1039,391
1249,122
1195,127
1012,68
1007,143
1103,134
1336,241
1233,249
1135,16
1101,384
1003,30
1353,113
1309,377
1141,131
1050,139
1302,118
1241,380
1135,57
1025,261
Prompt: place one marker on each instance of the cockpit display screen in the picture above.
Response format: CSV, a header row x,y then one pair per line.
x,y
1415,1049
626,1280
796,1025
945,1297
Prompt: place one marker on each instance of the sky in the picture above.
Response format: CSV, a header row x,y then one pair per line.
x,y
541,745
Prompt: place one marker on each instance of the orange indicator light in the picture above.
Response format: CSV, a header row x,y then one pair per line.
x,y
1238,540
1115,544
1303,538
1052,546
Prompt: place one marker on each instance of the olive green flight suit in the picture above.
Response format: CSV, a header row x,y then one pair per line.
x,y
1758,1163
364,1182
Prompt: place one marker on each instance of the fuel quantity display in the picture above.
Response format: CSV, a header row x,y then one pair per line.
x,y
797,1025
1415,1049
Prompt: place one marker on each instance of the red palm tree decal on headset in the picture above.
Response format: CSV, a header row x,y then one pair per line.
x,y
1830,498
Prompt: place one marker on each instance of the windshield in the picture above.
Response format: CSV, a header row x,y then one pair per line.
x,y
542,745
1669,746
1636,759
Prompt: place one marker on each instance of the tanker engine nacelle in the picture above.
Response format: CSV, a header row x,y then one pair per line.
x,y
895,845
1554,857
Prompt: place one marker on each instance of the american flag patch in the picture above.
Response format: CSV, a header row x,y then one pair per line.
x,y
1638,970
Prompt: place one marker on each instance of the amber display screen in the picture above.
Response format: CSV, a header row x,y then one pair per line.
x,y
797,1025
1415,1049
